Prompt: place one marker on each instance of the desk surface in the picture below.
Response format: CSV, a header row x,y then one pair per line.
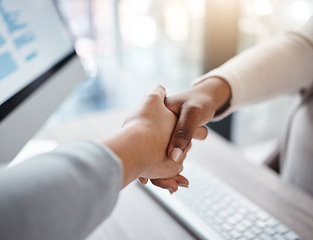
x,y
137,216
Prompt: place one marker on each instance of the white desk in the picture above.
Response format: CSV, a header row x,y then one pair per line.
x,y
137,216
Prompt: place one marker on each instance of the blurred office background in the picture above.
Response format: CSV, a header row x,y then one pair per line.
x,y
129,46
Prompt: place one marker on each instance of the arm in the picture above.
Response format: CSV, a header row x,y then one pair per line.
x,y
59,195
67,193
283,65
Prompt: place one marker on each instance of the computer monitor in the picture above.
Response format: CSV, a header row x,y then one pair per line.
x,y
38,69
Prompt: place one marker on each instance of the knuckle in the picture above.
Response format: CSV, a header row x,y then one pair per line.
x,y
185,137
185,134
160,86
153,96
194,109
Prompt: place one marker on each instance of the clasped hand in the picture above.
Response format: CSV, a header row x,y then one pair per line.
x,y
159,123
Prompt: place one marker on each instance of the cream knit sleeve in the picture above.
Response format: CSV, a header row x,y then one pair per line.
x,y
283,65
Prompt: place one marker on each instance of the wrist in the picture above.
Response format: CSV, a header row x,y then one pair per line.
x,y
128,144
218,90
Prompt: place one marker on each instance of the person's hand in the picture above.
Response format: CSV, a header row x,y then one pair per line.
x,y
194,108
157,124
142,142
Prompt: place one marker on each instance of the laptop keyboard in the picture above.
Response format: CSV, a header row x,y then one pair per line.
x,y
219,210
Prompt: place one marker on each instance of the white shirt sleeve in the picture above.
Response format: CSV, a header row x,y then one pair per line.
x,y
283,65
64,194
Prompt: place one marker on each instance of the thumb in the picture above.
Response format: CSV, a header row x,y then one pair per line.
x,y
159,90
189,119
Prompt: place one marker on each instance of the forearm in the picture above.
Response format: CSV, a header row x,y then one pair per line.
x,y
61,195
283,65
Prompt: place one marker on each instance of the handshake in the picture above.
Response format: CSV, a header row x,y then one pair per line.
x,y
156,137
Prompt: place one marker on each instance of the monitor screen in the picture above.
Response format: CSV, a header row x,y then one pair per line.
x,y
38,69
32,41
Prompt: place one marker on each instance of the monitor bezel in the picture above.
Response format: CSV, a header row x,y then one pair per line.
x,y
14,101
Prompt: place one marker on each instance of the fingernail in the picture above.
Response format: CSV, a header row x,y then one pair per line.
x,y
176,154
183,185
170,190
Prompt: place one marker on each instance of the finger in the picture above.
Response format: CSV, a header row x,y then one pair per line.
x,y
183,157
201,133
174,104
181,181
190,118
169,183
143,181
